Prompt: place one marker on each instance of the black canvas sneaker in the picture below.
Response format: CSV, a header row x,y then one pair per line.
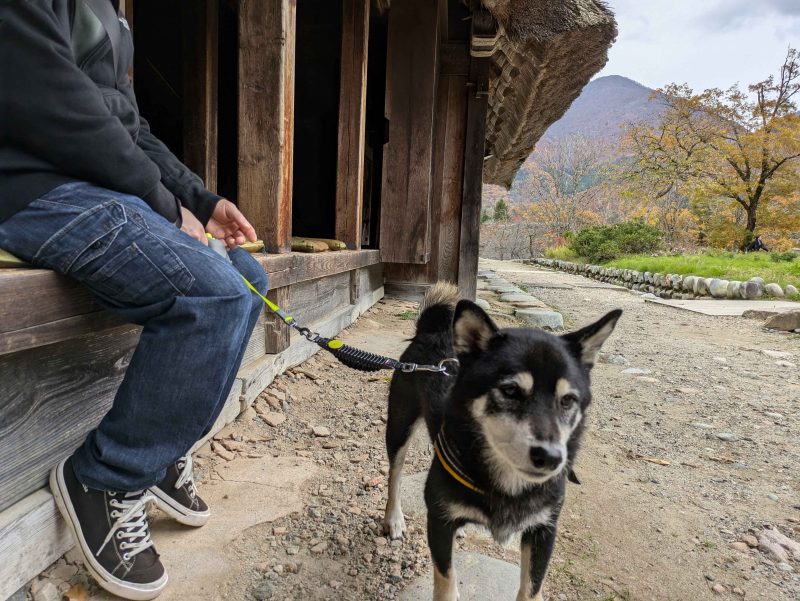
x,y
111,531
176,495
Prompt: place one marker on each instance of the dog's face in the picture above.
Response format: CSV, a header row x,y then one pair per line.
x,y
526,390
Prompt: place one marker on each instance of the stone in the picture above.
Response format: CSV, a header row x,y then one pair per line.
x,y
701,286
750,540
273,419
734,289
222,451
319,548
784,567
649,296
751,290
784,363
540,318
647,380
249,414
321,431
64,572
777,354
612,359
718,288
757,280
263,591
483,304
773,497
688,283
48,592
773,415
726,436
515,297
775,290
758,314
791,290
740,546
718,588
702,425
638,371
785,322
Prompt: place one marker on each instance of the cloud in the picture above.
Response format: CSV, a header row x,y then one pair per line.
x,y
731,14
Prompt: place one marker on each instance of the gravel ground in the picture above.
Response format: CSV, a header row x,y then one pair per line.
x,y
689,459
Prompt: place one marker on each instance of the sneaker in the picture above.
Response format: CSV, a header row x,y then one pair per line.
x,y
176,495
111,531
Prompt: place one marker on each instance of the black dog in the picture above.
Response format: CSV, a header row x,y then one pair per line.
x,y
506,430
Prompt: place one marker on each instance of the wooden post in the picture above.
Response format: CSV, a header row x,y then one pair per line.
x,y
266,117
277,333
411,77
200,46
352,122
477,103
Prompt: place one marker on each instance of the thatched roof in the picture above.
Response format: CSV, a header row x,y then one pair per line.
x,y
548,50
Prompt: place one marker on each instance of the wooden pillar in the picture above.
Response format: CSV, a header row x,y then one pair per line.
x,y
266,118
201,60
352,122
474,146
411,76
277,332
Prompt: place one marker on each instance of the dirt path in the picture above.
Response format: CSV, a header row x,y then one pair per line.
x,y
634,529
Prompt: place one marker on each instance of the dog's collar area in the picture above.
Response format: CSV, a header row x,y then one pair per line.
x,y
450,462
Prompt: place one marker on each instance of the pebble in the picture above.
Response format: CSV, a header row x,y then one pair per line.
x,y
785,567
777,354
647,380
321,431
718,588
274,419
702,425
319,548
726,436
263,591
740,546
710,577
773,415
720,359
773,497
222,451
785,364
750,540
292,550
281,530
636,371
64,572
48,592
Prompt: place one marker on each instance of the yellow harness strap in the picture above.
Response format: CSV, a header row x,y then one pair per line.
x,y
453,472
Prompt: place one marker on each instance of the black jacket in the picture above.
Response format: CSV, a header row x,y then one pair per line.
x,y
65,118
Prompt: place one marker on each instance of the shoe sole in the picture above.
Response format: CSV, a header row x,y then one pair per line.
x,y
126,590
177,511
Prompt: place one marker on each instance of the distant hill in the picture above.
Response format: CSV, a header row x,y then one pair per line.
x,y
604,107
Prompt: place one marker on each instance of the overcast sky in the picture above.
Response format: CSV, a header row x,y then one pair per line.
x,y
706,43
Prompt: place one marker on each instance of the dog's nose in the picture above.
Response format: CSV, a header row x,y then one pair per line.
x,y
546,458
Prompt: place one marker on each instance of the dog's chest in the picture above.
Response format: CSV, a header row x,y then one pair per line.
x,y
505,519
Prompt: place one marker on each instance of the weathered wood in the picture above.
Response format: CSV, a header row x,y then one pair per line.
x,y
40,307
71,384
266,117
352,122
407,290
310,301
475,139
200,90
454,59
32,536
277,332
257,345
411,69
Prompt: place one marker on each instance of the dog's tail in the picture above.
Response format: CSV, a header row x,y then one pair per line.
x,y
441,293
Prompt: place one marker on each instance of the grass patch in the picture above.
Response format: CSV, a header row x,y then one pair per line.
x,y
407,315
562,253
781,268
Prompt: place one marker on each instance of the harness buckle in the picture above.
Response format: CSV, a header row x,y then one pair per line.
x,y
449,367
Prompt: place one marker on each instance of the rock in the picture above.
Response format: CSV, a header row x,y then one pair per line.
x,y
321,431
791,290
701,286
720,359
647,380
292,550
785,322
773,497
758,314
784,567
718,288
64,572
719,589
726,436
734,289
757,280
702,425
612,359
249,414
777,354
274,419
263,591
750,540
48,592
483,304
751,290
638,371
775,290
541,318
740,546
773,415
233,445
783,363
688,283
319,548
515,297
222,451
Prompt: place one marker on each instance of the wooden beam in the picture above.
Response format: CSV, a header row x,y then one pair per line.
x,y
200,97
411,72
267,31
39,307
475,142
277,337
352,122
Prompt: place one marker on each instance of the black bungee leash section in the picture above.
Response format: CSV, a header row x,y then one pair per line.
x,y
347,355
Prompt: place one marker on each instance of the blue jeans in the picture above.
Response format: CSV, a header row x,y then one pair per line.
x,y
196,311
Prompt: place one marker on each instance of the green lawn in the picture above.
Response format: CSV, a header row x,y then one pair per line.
x,y
723,265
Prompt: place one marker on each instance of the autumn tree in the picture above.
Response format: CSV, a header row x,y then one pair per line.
x,y
730,144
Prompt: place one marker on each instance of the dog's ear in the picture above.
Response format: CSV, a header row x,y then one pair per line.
x,y
586,342
472,328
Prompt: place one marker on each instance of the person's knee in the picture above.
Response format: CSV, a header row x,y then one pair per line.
x,y
250,269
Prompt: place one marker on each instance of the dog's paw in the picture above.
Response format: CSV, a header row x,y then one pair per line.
x,y
394,525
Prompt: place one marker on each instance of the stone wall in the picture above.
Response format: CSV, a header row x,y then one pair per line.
x,y
670,285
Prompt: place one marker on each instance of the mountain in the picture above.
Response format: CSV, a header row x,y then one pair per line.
x,y
605,105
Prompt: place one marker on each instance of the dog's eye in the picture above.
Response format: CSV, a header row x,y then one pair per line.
x,y
568,400
509,389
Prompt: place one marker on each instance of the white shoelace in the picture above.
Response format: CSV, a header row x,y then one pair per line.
x,y
131,524
187,475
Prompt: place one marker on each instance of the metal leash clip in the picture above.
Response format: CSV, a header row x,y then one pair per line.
x,y
447,367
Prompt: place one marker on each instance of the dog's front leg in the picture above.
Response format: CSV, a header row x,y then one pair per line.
x,y
537,547
440,540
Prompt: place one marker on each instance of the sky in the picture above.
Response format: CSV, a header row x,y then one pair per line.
x,y
705,43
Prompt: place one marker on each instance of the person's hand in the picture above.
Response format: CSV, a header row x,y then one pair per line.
x,y
229,225
192,226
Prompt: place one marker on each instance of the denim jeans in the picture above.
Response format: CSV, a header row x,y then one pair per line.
x,y
196,311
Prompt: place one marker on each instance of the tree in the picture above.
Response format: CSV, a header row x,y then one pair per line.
x,y
723,144
501,210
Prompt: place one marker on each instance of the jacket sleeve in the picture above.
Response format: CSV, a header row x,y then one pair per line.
x,y
54,111
177,177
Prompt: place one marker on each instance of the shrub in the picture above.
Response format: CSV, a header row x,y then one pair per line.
x,y
787,256
607,242
562,253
